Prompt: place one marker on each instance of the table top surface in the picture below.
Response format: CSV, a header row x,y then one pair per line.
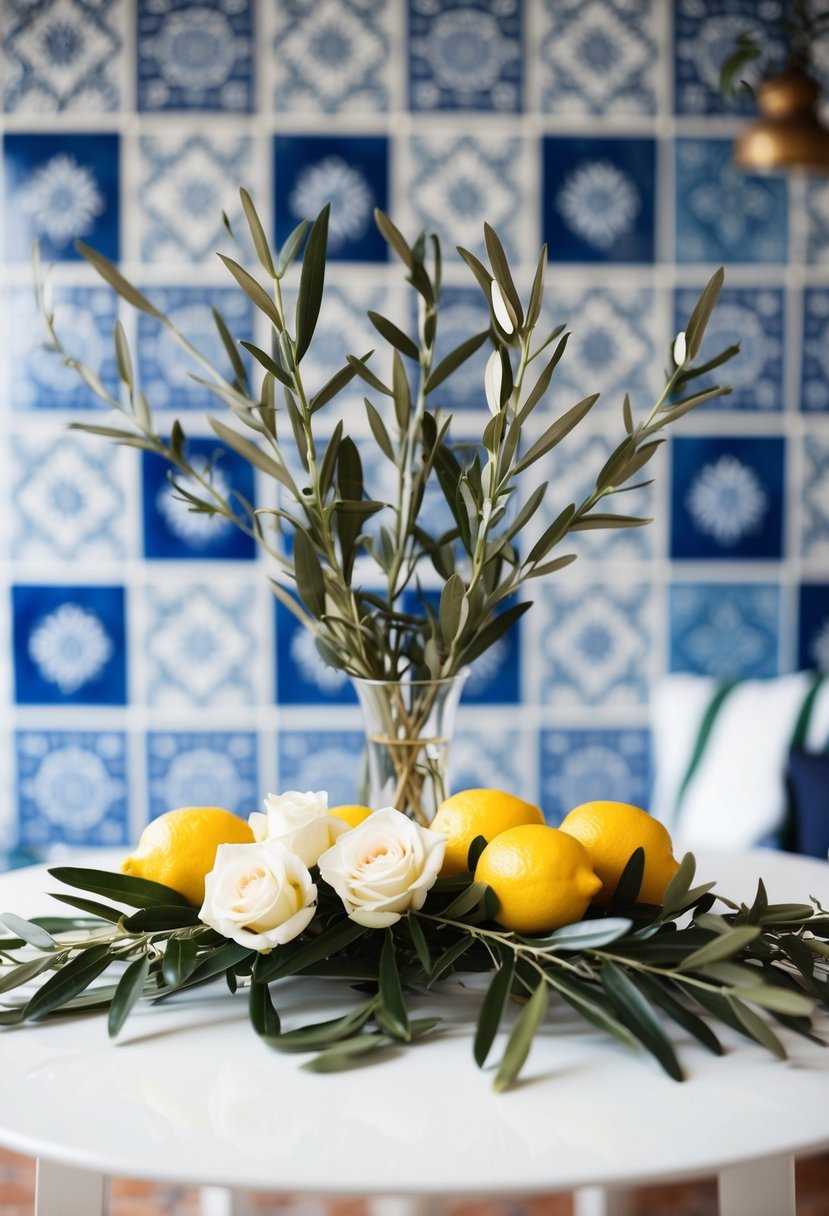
x,y
188,1093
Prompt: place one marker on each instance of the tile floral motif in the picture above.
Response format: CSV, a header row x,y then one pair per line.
x,y
302,678
815,366
322,760
350,172
723,215
598,57
813,626
37,380
63,55
727,498
185,184
598,199
455,183
332,56
172,531
195,56
817,222
725,630
580,765
201,645
165,370
754,317
465,56
60,187
594,643
500,759
67,499
72,787
814,510
704,36
69,645
202,768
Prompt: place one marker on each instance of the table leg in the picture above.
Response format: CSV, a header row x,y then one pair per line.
x,y
402,1205
61,1190
219,1201
761,1188
601,1201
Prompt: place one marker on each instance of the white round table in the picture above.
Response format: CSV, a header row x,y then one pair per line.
x,y
189,1094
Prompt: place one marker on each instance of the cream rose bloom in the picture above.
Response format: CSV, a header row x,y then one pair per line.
x,y
259,895
383,867
300,821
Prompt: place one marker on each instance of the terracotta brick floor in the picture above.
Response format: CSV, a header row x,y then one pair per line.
x,y
127,1198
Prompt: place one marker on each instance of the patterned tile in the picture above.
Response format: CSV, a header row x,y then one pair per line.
x,y
201,645
817,222
727,498
36,379
172,530
350,172
69,645
193,56
493,758
580,765
704,36
302,678
814,393
186,181
68,500
598,57
814,507
63,55
724,629
813,626
598,203
204,768
165,370
723,215
594,643
454,183
59,187
72,787
465,56
329,760
754,317
332,56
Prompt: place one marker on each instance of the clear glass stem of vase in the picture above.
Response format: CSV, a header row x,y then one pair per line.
x,y
408,727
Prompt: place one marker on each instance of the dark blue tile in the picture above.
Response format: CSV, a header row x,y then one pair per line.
x,y
72,788
813,626
704,37
350,172
465,55
302,678
579,765
727,498
172,530
727,630
195,56
60,187
69,645
598,199
203,768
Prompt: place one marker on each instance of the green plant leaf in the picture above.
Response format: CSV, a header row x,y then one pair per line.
x,y
454,609
394,335
24,972
214,964
33,934
520,1040
555,433
473,856
295,958
322,1034
698,321
482,275
587,1002
263,1016
348,1053
231,349
391,1011
779,1000
597,520
584,934
719,948
754,1026
130,989
633,1010
253,454
254,290
116,280
393,237
311,282
419,942
309,578
269,363
291,247
496,629
501,270
679,886
335,385
150,920
378,430
257,233
92,906
449,957
465,901
123,888
401,392
73,978
630,880
492,1008
180,961
537,292
454,359
658,995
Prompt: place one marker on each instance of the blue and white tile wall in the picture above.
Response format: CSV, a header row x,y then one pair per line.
x,y
143,662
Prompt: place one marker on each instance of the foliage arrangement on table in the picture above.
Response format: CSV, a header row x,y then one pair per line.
x,y
351,564
388,909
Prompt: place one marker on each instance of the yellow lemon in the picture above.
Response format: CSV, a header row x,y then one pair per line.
x,y
472,813
542,877
352,815
611,832
178,848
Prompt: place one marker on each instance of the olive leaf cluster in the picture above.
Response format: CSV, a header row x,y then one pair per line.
x,y
327,519
631,971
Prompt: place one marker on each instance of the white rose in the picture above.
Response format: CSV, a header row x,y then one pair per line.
x,y
299,821
383,867
259,895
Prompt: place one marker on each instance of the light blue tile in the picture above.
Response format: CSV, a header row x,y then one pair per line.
x,y
581,765
322,760
332,56
68,500
704,37
724,215
194,56
72,787
814,389
465,55
594,643
754,318
202,768
492,758
817,221
63,56
814,508
202,645
728,630
598,57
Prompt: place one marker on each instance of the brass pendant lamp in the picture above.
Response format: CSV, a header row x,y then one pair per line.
x,y
789,135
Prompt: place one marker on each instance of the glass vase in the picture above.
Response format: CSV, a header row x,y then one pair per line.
x,y
408,727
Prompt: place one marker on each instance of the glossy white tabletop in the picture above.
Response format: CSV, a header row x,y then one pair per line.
x,y
189,1094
